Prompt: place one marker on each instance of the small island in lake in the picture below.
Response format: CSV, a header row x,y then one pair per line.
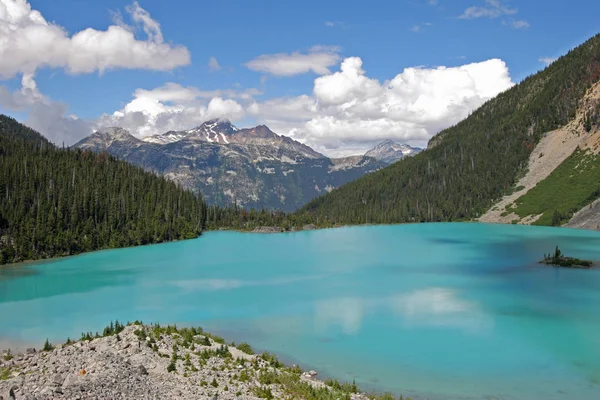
x,y
558,259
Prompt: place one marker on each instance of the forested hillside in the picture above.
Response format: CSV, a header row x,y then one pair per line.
x,y
468,166
56,202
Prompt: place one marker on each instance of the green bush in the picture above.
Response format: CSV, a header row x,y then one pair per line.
x,y
171,367
4,374
246,348
263,392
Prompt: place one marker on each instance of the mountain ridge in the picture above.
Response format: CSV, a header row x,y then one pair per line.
x,y
251,167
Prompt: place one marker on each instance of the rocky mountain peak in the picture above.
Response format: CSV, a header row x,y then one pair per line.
x,y
113,131
212,131
104,137
261,131
219,125
390,151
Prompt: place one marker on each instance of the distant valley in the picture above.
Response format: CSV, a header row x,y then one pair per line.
x,y
253,168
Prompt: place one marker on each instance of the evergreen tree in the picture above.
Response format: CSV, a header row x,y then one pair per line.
x,y
57,202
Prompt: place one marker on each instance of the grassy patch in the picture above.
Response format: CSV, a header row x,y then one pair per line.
x,y
570,187
8,356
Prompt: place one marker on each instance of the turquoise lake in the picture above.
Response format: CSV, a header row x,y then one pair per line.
x,y
436,311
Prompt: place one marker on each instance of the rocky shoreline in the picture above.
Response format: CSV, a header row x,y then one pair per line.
x,y
154,362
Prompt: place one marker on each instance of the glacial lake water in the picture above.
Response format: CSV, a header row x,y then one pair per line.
x,y
436,311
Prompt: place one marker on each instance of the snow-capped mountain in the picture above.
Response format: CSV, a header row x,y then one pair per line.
x,y
389,151
223,132
213,131
253,167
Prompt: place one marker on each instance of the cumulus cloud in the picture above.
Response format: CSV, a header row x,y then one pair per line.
x,y
346,113
175,107
318,60
352,111
213,64
29,42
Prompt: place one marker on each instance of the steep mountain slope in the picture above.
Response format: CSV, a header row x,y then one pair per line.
x,y
468,167
254,168
56,202
551,166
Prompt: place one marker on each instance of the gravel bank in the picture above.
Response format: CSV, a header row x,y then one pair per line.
x,y
152,362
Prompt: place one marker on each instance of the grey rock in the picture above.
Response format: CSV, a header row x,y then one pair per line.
x,y
142,370
70,380
586,218
58,379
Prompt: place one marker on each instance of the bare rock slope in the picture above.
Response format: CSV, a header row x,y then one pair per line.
x,y
152,362
586,218
554,148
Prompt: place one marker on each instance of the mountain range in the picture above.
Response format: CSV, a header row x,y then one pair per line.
x,y
253,168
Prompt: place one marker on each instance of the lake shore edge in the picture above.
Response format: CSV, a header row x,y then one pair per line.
x,y
153,361
262,230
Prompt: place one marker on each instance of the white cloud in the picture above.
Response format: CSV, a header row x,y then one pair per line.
x,y
318,60
29,42
346,113
342,87
175,107
335,24
547,60
168,107
213,64
44,115
519,24
350,111
493,9
417,28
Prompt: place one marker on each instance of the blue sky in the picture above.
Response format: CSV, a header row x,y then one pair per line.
x,y
300,42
